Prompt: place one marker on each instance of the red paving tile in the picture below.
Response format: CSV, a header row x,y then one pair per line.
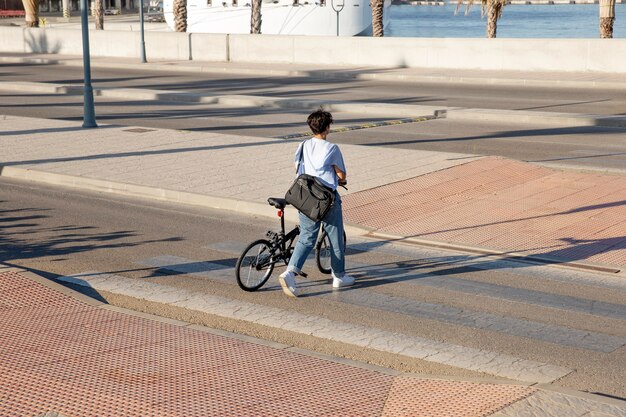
x,y
82,360
504,205
446,398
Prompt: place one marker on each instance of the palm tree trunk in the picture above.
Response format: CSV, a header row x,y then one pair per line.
x,y
607,17
377,17
99,14
66,9
180,15
32,12
255,18
494,11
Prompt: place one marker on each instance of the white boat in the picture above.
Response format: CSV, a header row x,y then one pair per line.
x,y
279,17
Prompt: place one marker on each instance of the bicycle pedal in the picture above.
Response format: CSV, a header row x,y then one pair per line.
x,y
303,274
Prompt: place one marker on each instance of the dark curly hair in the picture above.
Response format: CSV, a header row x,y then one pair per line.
x,y
319,121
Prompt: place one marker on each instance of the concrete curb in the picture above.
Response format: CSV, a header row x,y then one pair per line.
x,y
380,109
535,117
500,82
347,73
492,252
552,119
602,399
140,191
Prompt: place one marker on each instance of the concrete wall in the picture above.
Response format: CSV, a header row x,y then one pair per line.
x,y
46,41
11,39
602,55
209,47
165,45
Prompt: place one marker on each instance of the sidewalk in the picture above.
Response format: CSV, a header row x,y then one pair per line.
x,y
477,204
66,355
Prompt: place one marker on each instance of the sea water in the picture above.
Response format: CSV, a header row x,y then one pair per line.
x,y
517,21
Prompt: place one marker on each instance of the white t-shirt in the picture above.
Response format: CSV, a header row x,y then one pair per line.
x,y
319,158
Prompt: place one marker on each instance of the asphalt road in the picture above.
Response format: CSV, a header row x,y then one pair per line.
x,y
592,148
490,97
554,316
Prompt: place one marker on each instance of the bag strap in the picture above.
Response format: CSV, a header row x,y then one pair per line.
x,y
301,159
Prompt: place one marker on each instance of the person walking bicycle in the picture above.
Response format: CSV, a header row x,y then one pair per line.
x,y
322,159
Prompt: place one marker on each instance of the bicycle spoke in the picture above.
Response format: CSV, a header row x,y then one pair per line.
x,y
254,266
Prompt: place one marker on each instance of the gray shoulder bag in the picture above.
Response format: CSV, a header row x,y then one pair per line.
x,y
309,195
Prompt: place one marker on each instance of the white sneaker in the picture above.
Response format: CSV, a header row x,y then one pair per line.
x,y
344,281
288,282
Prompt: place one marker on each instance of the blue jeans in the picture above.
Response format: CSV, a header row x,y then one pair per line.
x,y
333,224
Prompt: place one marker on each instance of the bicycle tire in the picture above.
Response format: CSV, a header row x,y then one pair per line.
x,y
249,261
322,252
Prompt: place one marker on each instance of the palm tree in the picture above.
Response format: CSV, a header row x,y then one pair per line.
x,y
607,17
99,14
491,8
255,18
378,7
180,15
32,12
66,9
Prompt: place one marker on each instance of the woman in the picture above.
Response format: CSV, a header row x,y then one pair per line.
x,y
322,159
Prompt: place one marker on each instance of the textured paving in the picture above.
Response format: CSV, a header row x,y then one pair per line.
x,y
504,205
60,355
493,363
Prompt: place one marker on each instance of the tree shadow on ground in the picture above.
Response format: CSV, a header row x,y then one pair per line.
x,y
24,237
506,134
37,42
574,255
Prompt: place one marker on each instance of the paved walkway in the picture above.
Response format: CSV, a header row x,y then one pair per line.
x,y
65,355
505,206
491,204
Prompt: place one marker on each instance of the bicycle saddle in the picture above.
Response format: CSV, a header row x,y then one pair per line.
x,y
279,203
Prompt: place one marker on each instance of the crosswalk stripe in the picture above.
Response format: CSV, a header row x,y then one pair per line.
x,y
210,270
515,267
560,302
467,318
483,262
439,352
563,336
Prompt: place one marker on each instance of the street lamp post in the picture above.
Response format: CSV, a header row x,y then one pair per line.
x,y
337,7
89,113
143,43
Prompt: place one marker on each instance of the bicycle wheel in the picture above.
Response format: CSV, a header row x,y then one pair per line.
x,y
255,265
322,252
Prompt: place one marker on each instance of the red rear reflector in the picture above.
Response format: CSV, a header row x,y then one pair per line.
x,y
280,213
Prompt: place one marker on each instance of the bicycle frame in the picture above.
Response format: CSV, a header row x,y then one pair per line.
x,y
276,247
283,238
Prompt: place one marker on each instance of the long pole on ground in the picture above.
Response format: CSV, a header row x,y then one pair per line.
x,y
89,112
143,43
